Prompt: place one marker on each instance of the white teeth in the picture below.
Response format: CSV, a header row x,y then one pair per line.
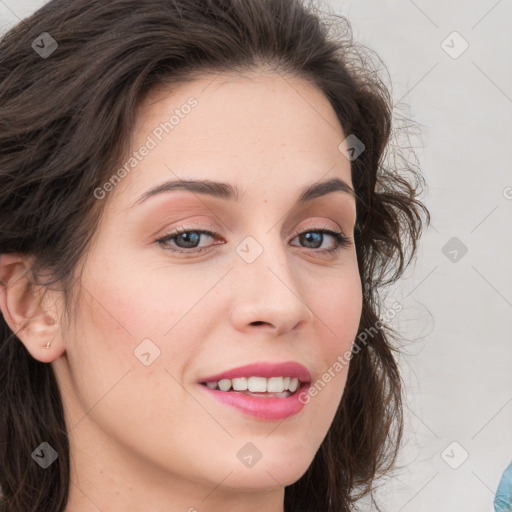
x,y
224,384
257,384
275,385
239,384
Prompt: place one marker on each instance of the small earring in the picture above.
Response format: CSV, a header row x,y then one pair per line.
x,y
48,344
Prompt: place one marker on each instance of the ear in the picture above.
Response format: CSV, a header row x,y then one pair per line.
x,y
21,303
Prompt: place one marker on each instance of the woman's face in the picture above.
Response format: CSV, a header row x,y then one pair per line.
x,y
152,323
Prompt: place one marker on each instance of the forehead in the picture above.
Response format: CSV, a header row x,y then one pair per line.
x,y
239,129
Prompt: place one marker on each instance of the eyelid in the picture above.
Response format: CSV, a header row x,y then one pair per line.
x,y
190,227
317,227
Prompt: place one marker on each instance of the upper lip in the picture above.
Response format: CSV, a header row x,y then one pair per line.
x,y
286,369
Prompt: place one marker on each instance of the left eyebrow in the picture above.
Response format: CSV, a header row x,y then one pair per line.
x,y
230,192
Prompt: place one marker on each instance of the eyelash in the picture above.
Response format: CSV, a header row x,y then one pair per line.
x,y
341,240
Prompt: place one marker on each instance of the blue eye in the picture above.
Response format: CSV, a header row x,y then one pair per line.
x,y
318,236
189,238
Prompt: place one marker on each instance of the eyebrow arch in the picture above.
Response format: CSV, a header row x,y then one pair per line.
x,y
227,191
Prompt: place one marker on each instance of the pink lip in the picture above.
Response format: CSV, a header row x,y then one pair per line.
x,y
267,370
261,407
265,408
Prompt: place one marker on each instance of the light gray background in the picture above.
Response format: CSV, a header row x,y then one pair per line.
x,y
456,314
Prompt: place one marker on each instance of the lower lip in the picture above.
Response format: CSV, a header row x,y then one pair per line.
x,y
264,408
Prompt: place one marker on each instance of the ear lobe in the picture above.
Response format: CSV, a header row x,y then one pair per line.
x,y
21,305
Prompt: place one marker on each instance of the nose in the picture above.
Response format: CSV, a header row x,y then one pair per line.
x,y
268,293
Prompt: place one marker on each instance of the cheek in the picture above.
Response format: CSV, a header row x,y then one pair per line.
x,y
339,310
106,354
152,299
101,341
135,315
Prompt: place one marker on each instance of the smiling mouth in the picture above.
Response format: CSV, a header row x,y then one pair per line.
x,y
226,387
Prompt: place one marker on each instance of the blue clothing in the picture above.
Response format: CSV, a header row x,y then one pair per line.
x,y
503,498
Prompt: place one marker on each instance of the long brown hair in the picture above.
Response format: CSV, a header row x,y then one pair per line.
x,y
65,123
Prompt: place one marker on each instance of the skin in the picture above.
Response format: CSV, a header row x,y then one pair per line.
x,y
147,437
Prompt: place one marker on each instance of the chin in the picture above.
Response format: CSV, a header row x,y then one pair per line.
x,y
269,475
